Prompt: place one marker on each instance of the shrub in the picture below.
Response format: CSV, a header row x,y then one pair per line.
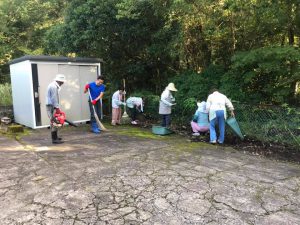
x,y
6,95
264,75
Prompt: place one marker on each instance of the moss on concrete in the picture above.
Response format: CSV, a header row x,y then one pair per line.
x,y
16,136
15,128
135,132
175,141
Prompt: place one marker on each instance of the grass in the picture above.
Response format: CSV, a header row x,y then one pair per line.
x,y
16,136
6,95
134,132
179,143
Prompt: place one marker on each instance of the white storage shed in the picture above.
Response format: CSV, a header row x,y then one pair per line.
x,y
30,77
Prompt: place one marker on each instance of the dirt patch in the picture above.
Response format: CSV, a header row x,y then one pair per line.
x,y
271,150
248,145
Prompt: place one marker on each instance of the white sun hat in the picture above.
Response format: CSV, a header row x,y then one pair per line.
x,y
60,77
171,87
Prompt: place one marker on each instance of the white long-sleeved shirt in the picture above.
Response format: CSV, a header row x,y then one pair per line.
x,y
52,97
116,100
217,101
135,101
166,102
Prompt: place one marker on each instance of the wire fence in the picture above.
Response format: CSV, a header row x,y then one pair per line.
x,y
265,123
268,123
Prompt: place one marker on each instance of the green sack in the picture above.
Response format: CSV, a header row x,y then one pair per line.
x,y
233,124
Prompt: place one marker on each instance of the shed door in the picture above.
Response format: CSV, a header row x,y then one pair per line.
x,y
70,94
46,74
87,75
36,97
72,99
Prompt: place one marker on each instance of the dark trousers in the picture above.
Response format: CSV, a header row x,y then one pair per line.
x,y
50,113
97,109
166,120
133,113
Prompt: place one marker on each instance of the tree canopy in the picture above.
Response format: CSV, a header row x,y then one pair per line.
x,y
255,44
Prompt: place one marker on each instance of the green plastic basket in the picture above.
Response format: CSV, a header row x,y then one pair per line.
x,y
159,130
233,124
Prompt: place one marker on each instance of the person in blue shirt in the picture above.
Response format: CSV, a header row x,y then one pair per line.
x,y
200,121
97,89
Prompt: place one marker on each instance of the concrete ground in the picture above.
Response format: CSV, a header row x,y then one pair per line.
x,y
129,176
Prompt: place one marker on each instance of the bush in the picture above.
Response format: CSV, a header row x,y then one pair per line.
x,y
191,87
6,95
268,123
197,85
263,75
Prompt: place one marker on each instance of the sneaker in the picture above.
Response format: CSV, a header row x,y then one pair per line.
x,y
196,134
133,122
213,142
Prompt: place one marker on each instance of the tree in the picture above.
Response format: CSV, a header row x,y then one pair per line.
x,y
23,25
263,75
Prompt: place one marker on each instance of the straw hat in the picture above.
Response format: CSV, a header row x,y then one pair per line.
x,y
60,78
171,87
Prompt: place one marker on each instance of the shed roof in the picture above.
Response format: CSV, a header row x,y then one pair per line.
x,y
46,58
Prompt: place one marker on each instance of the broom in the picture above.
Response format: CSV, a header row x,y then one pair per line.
x,y
96,116
125,118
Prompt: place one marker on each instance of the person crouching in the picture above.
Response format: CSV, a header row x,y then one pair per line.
x,y
135,105
200,123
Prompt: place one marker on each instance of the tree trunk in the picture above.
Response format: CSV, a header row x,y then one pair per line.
x,y
291,35
291,32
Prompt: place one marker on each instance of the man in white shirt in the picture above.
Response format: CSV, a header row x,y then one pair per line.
x,y
216,105
52,105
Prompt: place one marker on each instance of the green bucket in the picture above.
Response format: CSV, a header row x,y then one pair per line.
x,y
159,130
235,127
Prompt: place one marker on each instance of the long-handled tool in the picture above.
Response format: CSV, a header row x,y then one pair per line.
x,y
60,118
125,117
101,108
95,114
71,123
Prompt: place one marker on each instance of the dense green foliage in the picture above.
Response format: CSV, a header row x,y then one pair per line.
x,y
267,74
153,42
249,49
6,95
23,24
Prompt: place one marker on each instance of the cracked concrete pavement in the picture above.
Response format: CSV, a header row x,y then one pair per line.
x,y
129,176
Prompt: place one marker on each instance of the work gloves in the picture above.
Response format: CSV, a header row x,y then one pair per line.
x,y
57,111
94,102
87,86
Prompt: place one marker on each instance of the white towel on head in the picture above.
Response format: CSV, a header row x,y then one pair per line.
x,y
202,106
